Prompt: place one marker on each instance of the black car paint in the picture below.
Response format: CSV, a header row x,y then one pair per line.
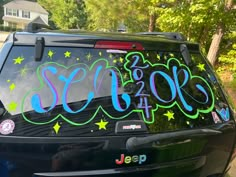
x,y
205,156
96,156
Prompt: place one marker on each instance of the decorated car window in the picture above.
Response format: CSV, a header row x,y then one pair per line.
x,y
87,92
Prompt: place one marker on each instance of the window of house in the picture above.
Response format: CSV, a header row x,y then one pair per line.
x,y
9,11
25,14
12,12
15,13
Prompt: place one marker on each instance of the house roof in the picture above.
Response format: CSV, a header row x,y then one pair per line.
x,y
26,5
15,20
39,20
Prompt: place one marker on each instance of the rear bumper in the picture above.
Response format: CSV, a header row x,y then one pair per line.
x,y
187,166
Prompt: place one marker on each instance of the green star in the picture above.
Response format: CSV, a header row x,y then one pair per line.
x,y
50,54
18,60
201,67
102,125
170,115
12,86
67,54
89,56
12,106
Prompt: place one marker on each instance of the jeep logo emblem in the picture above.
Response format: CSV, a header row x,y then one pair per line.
x,y
139,159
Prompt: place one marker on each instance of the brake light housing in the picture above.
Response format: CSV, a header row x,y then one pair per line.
x,y
122,45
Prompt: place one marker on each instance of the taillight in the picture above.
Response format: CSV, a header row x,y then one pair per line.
x,y
118,45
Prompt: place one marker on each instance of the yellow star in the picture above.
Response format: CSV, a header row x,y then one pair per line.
x,y
12,86
102,125
121,60
201,67
56,127
23,71
89,56
110,56
18,60
12,106
67,54
170,115
50,54
100,54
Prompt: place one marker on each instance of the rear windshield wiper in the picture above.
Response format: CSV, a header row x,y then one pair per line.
x,y
134,143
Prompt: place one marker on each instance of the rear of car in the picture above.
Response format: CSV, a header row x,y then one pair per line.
x,y
100,105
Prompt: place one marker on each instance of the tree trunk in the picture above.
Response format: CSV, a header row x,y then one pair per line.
x,y
152,22
215,44
217,37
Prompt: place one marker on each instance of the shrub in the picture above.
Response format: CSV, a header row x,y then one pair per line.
x,y
8,28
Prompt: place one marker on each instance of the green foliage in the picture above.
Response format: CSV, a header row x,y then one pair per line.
x,y
229,59
103,15
196,19
66,14
2,2
107,15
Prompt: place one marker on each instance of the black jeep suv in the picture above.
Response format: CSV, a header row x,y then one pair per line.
x,y
111,105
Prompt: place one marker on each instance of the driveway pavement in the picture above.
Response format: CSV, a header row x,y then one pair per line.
x,y
232,171
3,36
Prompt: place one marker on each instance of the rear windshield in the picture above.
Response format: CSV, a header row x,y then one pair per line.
x,y
97,92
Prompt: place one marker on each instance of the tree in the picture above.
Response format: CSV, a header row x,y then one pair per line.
x,y
66,14
136,15
229,58
220,31
196,19
227,62
2,2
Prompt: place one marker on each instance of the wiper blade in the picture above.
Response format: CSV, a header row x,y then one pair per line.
x,y
134,143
